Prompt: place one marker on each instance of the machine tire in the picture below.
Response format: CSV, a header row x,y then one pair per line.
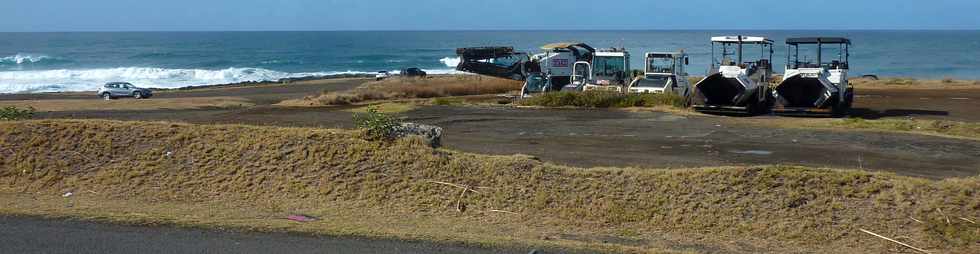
x,y
138,95
106,96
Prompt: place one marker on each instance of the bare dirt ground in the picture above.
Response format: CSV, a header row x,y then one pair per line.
x,y
956,104
621,138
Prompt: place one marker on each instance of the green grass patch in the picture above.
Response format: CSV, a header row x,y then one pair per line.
x,y
603,99
11,113
445,101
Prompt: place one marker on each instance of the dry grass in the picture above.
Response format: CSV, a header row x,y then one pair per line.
x,y
910,83
939,128
410,88
251,177
934,127
130,104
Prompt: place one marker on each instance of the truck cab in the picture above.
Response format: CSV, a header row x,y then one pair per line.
x,y
665,72
609,70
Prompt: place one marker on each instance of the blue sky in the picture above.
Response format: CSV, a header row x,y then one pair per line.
x,y
210,15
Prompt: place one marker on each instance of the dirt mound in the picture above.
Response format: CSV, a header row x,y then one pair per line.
x,y
763,208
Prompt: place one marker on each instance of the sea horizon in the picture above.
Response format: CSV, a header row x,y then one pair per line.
x,y
83,60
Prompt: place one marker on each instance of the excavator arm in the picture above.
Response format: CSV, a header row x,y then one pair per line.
x,y
501,62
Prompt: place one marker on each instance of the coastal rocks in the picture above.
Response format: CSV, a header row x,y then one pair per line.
x,y
430,133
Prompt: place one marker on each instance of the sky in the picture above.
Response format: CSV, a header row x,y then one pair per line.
x,y
319,15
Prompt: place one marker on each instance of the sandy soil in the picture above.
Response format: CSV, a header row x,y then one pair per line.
x,y
622,138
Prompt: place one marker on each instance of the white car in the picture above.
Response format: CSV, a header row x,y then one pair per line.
x,y
382,75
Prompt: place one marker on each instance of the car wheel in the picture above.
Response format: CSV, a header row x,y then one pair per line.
x,y
106,96
138,95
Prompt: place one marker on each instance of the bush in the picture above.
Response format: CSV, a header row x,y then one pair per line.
x,y
13,113
377,125
604,99
446,101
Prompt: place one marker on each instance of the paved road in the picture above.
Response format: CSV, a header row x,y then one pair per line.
x,y
29,235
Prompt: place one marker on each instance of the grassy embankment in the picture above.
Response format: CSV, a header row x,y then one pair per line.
x,y
232,176
911,83
94,104
412,88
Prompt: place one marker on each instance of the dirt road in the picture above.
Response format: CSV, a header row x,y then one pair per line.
x,y
635,139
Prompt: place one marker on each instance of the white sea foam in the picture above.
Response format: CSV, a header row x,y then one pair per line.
x,y
451,62
21,58
91,79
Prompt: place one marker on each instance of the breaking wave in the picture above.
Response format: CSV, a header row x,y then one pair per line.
x,y
19,59
91,79
450,61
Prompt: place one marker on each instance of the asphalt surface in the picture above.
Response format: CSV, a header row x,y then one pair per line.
x,y
30,235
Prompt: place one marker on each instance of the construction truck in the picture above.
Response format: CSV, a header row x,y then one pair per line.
x,y
555,62
736,83
815,85
665,72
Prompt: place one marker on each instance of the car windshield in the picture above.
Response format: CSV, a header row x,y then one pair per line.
x,y
661,65
609,67
653,82
535,83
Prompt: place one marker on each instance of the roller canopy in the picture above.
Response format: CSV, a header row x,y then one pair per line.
x,y
815,40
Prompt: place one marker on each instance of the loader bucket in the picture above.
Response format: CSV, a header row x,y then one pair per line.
x,y
718,90
800,92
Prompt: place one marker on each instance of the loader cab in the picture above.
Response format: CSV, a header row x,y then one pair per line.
x,y
536,83
608,71
665,72
580,77
612,67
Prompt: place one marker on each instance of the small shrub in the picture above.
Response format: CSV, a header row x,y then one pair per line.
x,y
446,101
947,80
376,125
12,113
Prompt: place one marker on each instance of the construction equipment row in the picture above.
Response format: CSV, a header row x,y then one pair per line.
x,y
740,79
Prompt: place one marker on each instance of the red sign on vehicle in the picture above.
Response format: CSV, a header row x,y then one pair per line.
x,y
559,62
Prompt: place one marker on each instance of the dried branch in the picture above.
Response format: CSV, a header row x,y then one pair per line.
x,y
502,211
894,241
944,216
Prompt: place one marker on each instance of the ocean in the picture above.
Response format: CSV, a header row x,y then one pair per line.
x,y
52,62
